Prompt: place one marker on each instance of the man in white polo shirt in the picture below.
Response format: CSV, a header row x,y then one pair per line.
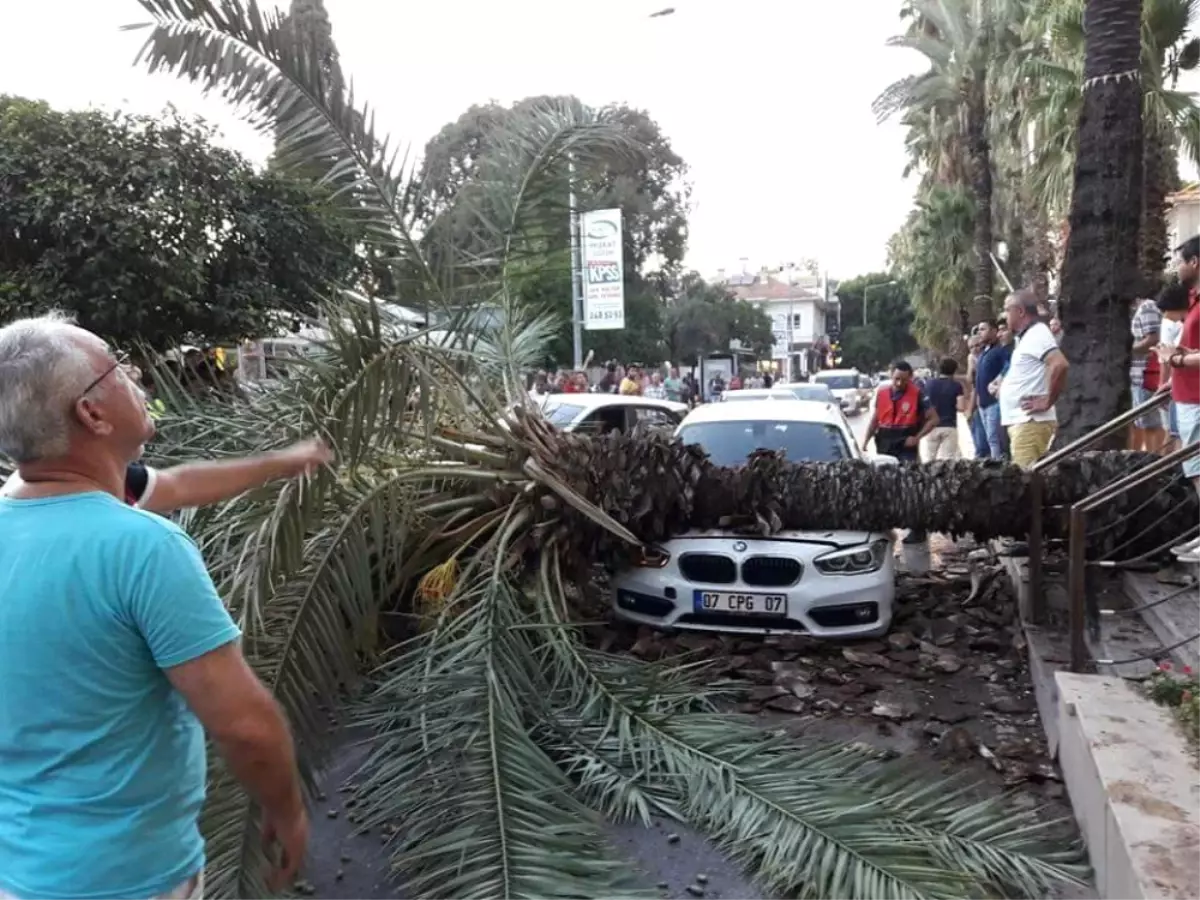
x,y
1035,379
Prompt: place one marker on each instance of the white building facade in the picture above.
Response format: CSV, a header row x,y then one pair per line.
x,y
802,308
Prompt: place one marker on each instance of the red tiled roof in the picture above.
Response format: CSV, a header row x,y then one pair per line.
x,y
772,289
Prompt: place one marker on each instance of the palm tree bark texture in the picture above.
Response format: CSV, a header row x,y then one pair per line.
x,y
1101,273
979,153
1160,170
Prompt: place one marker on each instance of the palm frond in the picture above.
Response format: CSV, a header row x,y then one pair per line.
x,y
252,59
484,811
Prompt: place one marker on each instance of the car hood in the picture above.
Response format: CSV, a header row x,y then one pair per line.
x,y
829,538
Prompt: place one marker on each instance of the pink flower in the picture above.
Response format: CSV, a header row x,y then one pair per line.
x,y
1164,666
1187,670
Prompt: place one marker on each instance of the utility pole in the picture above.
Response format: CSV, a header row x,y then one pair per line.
x,y
576,273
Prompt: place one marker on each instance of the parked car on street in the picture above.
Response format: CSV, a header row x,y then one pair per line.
x,y
847,386
756,394
810,391
835,584
602,413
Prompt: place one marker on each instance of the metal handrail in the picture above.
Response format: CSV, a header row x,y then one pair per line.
x,y
1113,425
1084,611
1036,491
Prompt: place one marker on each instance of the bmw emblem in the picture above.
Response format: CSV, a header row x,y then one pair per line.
x,y
739,546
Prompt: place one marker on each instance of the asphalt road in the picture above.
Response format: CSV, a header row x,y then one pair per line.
x,y
344,863
348,865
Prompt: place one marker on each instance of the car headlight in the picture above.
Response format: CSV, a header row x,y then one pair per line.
x,y
853,560
650,557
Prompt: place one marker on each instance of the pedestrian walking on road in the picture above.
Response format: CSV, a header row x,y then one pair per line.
x,y
946,396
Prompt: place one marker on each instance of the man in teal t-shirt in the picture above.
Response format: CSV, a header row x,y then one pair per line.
x,y
674,385
116,653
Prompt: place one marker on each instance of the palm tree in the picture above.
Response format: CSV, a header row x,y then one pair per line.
x,y
933,256
1100,273
956,37
501,736
1051,65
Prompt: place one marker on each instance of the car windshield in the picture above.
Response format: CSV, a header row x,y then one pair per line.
x,y
729,443
838,382
560,415
819,392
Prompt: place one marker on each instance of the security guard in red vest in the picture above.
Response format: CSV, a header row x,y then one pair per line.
x,y
900,418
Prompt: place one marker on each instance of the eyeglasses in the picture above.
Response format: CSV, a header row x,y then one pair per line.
x,y
120,360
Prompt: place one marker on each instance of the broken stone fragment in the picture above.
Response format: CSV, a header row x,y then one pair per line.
x,y
862,658
895,708
799,688
946,662
900,640
787,703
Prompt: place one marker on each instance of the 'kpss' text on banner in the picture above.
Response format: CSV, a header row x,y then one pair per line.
x,y
603,270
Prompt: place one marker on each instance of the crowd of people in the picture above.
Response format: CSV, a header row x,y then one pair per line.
x,y
1166,355
637,379
1015,374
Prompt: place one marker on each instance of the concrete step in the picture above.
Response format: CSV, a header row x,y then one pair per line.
x,y
1133,788
1168,603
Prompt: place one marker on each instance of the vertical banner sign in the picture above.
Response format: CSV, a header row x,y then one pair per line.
x,y
603,270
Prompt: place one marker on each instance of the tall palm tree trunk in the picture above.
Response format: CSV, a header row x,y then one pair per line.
x,y
978,152
1100,272
1160,172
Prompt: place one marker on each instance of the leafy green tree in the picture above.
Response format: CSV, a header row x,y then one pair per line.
x,y
149,232
705,318
884,333
957,40
648,188
865,347
1053,66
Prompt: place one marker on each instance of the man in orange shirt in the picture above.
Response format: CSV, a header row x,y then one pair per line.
x,y
901,417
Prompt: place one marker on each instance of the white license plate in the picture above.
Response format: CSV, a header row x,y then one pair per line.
x,y
736,602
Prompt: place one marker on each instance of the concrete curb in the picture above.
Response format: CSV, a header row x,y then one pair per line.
x,y
1133,787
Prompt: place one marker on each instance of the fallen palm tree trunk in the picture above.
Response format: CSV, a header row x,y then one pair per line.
x,y
654,487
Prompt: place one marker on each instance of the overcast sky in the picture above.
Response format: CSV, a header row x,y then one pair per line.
x,y
767,100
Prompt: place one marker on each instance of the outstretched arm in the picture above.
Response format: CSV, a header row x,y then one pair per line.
x,y
201,483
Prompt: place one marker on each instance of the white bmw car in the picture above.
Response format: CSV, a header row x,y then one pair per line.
x,y
831,584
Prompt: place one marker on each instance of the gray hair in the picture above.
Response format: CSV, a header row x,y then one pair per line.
x,y
1027,300
41,369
